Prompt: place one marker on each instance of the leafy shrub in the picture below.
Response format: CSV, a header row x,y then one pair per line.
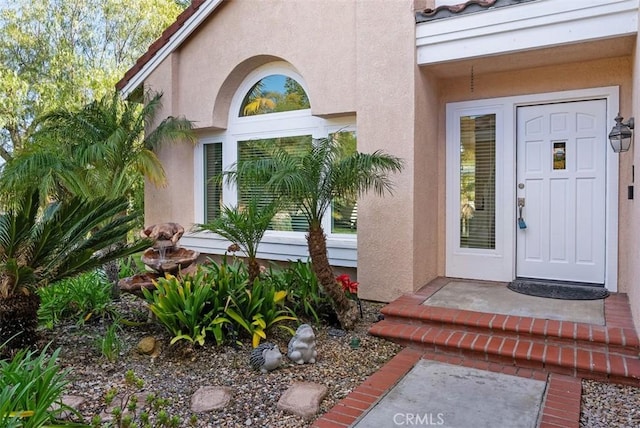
x,y
29,385
129,266
80,297
304,294
217,301
188,308
260,308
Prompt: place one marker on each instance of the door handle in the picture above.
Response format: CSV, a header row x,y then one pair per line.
x,y
521,223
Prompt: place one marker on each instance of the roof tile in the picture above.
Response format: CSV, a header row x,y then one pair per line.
x,y
472,6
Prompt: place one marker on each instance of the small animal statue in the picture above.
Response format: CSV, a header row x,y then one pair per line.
x,y
266,357
302,346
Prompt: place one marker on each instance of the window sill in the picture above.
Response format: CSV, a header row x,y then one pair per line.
x,y
280,246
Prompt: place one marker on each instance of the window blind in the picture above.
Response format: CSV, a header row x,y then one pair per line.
x,y
213,185
289,218
477,181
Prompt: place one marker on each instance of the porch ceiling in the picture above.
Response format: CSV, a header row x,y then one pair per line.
x,y
599,49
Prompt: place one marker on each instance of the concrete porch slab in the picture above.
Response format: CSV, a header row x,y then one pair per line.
x,y
493,297
435,393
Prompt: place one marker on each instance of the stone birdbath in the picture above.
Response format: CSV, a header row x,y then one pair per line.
x,y
165,256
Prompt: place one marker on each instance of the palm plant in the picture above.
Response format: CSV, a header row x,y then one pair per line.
x,y
100,150
311,181
245,226
38,247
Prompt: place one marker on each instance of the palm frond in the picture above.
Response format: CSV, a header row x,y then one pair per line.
x,y
64,239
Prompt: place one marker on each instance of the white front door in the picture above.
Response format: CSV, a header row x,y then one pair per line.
x,y
561,179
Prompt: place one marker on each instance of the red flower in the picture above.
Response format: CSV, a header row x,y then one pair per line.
x,y
348,286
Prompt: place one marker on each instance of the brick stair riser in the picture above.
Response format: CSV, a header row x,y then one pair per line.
x,y
524,334
530,364
505,350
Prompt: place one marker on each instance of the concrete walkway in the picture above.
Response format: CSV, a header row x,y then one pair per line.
x,y
418,398
416,389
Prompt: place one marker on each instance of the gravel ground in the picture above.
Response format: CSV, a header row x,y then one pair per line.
x,y
178,371
608,405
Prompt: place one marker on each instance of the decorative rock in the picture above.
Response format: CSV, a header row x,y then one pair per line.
x,y
266,357
303,399
146,345
336,332
208,398
302,346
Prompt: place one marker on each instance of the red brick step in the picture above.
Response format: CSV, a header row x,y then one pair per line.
x,y
610,352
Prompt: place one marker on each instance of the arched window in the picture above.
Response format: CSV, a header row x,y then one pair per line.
x,y
272,108
272,94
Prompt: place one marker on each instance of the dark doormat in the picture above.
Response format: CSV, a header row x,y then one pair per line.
x,y
558,289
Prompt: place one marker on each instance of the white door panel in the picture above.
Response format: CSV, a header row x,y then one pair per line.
x,y
561,174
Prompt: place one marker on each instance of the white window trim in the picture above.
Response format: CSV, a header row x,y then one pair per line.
x,y
499,265
276,245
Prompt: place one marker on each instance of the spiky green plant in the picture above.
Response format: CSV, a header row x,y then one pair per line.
x,y
245,227
39,247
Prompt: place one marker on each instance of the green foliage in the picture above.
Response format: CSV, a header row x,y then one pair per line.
x,y
128,412
188,308
29,385
100,149
245,227
311,182
130,266
304,294
260,308
56,53
110,344
66,239
81,298
216,301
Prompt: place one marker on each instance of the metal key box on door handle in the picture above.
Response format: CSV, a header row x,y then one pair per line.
x,y
521,223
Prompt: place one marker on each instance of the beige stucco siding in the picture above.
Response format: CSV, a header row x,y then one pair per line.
x,y
631,268
391,261
174,202
352,62
242,35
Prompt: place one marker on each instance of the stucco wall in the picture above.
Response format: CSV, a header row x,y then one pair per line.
x,y
632,271
352,61
174,202
390,259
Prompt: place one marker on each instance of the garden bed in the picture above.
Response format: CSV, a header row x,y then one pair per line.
x,y
177,371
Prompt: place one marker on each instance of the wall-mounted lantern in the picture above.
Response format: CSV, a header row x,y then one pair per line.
x,y
620,135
